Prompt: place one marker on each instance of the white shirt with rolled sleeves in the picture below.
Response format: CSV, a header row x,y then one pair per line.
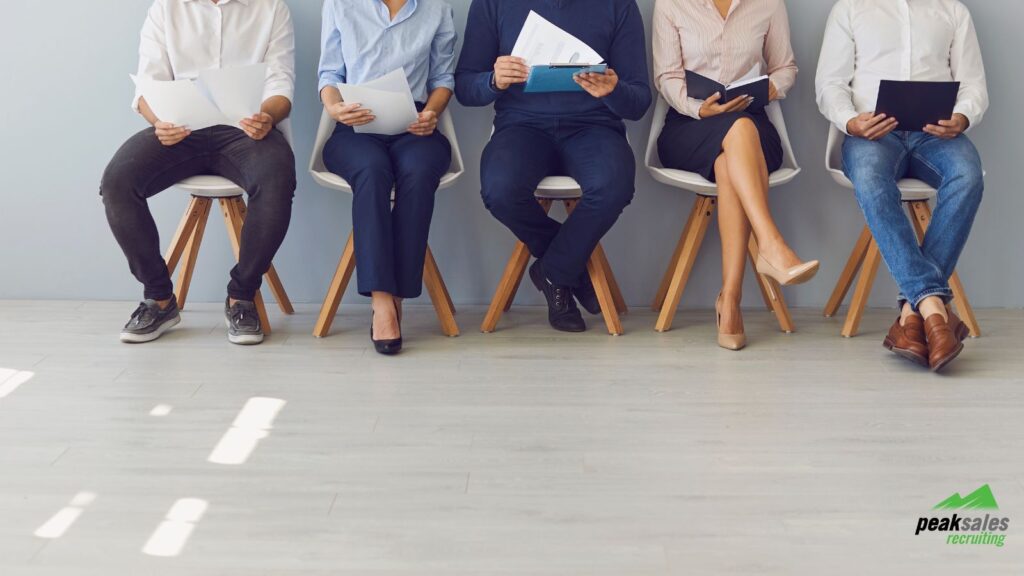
x,y
183,37
867,41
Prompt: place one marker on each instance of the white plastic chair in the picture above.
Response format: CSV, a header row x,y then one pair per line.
x,y
431,274
566,190
184,247
673,283
865,257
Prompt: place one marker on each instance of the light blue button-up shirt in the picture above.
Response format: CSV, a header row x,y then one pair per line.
x,y
361,42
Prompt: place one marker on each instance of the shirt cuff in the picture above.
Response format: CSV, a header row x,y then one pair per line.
x,y
844,117
447,81
968,111
285,92
692,108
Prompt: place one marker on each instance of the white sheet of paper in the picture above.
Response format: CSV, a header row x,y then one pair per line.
x,y
389,98
237,92
541,43
754,75
180,102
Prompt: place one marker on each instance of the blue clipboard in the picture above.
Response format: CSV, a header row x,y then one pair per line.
x,y
559,77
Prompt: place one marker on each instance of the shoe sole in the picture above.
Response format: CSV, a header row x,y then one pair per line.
x,y
803,277
247,340
938,366
904,353
129,338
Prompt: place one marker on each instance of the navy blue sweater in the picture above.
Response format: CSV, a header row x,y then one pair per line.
x,y
613,28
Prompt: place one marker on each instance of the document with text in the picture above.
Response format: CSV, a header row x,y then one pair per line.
x,y
541,43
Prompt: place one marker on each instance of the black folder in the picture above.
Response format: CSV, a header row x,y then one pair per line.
x,y
916,104
701,87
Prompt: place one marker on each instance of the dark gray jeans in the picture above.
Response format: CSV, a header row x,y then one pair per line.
x,y
143,167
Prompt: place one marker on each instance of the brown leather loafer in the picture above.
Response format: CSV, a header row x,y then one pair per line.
x,y
957,325
907,340
943,344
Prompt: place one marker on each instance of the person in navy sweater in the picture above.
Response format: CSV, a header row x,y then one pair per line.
x,y
578,134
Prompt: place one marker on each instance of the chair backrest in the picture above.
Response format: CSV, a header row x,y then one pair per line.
x,y
834,150
774,111
445,126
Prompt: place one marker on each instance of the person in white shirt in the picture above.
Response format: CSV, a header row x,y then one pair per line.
x,y
181,38
867,41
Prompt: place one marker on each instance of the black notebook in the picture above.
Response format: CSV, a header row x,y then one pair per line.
x,y
701,87
916,104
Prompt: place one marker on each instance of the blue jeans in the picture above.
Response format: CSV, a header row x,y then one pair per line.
x,y
953,167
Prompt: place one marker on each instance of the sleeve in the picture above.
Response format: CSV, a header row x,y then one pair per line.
x,y
331,70
442,54
778,52
966,64
669,69
475,71
280,56
154,62
836,67
628,57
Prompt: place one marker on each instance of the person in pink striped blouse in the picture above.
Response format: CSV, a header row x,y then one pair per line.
x,y
731,143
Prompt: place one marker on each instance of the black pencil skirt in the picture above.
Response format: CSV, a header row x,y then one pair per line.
x,y
694,145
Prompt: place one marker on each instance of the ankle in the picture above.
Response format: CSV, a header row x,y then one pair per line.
x,y
163,304
731,298
931,306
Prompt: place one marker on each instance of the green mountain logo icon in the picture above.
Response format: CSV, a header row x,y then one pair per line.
x,y
980,499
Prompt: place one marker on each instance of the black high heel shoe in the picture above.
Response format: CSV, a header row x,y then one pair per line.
x,y
387,347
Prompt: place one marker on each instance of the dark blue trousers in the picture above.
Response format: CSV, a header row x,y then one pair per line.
x,y
390,241
520,155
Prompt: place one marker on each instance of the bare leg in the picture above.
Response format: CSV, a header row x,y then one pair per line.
x,y
748,173
734,229
385,317
932,305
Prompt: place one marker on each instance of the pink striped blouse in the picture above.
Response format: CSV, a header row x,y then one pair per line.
x,y
692,35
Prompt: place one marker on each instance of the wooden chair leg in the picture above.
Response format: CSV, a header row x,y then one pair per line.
x,y
602,285
868,271
505,292
184,232
666,279
188,262
703,209
613,284
921,214
273,280
339,283
772,292
233,221
849,273
439,296
515,289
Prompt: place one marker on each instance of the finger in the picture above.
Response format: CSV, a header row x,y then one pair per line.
x,y
874,120
948,123
713,98
882,129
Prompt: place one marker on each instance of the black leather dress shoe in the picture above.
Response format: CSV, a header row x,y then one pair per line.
x,y
587,296
563,314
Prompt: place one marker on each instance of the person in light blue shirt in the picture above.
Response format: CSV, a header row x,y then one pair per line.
x,y
362,41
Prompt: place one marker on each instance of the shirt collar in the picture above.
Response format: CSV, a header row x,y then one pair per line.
x,y
403,14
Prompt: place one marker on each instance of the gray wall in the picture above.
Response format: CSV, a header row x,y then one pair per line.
x,y
64,108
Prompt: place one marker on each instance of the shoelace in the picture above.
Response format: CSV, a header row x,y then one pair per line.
x,y
241,316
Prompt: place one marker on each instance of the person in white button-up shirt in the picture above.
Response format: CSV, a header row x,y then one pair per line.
x,y
180,39
867,41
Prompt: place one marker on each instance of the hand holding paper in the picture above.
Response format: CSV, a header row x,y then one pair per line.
x,y
557,61
388,100
218,97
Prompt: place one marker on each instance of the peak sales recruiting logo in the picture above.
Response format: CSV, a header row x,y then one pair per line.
x,y
968,527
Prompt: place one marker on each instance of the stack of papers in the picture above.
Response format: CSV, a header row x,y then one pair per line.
x,y
541,43
222,96
389,98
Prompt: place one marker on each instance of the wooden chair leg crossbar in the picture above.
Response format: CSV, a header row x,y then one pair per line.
x,y
863,266
673,284
184,250
432,280
608,292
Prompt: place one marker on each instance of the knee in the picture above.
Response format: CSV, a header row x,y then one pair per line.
x,y
277,182
119,182
970,180
615,190
742,128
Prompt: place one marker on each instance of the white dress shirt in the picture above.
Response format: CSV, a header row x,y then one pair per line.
x,y
867,41
183,37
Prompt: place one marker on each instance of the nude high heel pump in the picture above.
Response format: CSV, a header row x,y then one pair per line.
x,y
734,342
796,275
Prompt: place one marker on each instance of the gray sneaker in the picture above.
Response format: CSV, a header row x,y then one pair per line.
x,y
149,322
243,322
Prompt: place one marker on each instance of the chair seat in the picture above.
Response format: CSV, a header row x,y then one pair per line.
x,y
558,188
210,187
911,189
335,182
699,185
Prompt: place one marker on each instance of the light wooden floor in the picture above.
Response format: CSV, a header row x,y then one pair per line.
x,y
523,452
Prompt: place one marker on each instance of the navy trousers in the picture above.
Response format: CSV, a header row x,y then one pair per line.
x,y
597,156
390,241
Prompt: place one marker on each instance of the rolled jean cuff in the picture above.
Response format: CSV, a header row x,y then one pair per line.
x,y
945,293
243,296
